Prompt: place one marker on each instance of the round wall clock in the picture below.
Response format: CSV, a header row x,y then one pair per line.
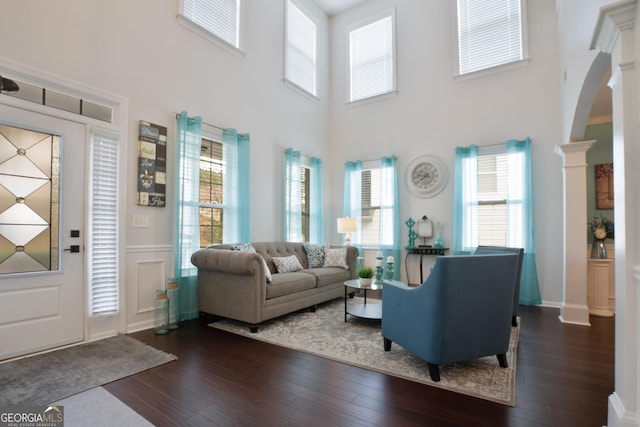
x,y
426,176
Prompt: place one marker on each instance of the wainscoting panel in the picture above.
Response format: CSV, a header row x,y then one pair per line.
x,y
148,268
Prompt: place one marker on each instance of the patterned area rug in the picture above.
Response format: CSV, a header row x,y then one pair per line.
x,y
358,342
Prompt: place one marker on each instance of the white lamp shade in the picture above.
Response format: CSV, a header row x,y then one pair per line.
x,y
347,225
425,228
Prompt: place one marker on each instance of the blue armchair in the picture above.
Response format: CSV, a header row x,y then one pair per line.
x,y
516,295
461,312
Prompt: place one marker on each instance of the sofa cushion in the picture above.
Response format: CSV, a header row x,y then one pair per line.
x,y
315,254
289,283
329,275
287,264
247,247
336,257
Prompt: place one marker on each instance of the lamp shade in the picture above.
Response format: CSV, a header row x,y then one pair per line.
x,y
347,225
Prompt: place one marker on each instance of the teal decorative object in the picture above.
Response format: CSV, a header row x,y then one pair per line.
x,y
437,241
413,235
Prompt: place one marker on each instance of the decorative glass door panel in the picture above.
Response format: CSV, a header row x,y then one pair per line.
x,y
29,200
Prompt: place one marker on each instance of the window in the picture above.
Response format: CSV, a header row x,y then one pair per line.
x,y
370,193
211,202
217,18
300,50
490,33
372,59
103,220
491,203
303,198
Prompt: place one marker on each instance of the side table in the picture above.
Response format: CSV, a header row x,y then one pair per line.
x,y
365,311
421,251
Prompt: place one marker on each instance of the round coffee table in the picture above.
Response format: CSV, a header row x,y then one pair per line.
x,y
365,311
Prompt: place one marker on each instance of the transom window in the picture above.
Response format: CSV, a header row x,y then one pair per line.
x,y
217,18
491,33
300,50
372,59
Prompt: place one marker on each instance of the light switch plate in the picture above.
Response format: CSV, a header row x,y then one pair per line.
x,y
141,221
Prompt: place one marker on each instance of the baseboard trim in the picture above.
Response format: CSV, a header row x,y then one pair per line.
x,y
618,416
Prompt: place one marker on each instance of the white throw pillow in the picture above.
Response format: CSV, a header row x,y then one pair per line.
x,y
287,264
336,258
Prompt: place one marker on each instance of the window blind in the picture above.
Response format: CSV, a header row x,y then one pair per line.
x,y
103,219
301,49
489,33
371,58
219,17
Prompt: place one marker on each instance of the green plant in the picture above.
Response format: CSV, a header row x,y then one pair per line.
x,y
365,272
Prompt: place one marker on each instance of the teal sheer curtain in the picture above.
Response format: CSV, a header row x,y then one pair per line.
x,y
465,200
519,209
235,187
352,202
520,217
186,218
316,211
389,212
292,196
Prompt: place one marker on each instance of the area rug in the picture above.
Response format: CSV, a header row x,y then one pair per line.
x,y
358,342
99,408
52,376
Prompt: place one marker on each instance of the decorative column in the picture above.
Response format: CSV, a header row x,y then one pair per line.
x,y
615,34
574,307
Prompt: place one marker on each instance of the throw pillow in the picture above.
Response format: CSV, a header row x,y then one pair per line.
x,y
315,255
336,258
248,247
287,264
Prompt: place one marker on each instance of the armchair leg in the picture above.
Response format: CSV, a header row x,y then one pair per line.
x,y
502,360
514,321
387,344
253,328
434,371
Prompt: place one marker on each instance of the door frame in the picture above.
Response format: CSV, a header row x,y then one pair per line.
x,y
95,327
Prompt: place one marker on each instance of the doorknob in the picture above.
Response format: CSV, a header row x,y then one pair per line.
x,y
73,249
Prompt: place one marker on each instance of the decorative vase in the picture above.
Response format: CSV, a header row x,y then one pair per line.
x,y
365,281
173,294
599,249
437,241
161,312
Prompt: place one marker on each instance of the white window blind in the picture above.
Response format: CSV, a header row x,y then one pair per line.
x,y
300,50
103,222
371,200
219,17
371,59
489,33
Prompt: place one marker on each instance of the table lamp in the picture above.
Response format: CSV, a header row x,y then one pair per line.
x,y
425,230
346,226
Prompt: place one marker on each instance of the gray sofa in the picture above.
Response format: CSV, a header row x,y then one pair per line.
x,y
233,284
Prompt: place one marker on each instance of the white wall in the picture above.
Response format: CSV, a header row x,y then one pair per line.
x,y
433,113
139,51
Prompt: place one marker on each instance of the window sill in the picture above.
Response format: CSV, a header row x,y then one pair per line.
x,y
493,70
294,87
374,98
209,36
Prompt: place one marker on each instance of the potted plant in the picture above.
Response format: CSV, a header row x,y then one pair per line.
x,y
366,275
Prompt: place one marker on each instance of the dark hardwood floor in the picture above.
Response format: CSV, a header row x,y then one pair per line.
x,y
564,378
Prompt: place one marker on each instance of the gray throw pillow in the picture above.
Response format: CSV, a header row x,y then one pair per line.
x,y
287,264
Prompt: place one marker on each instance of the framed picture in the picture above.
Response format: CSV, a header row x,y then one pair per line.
x,y
604,186
152,162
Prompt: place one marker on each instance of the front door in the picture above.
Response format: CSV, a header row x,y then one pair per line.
x,y
42,301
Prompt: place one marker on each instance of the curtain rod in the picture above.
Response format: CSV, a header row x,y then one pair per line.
x,y
207,124
495,145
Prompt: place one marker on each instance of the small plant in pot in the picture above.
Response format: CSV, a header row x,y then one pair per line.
x,y
366,275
